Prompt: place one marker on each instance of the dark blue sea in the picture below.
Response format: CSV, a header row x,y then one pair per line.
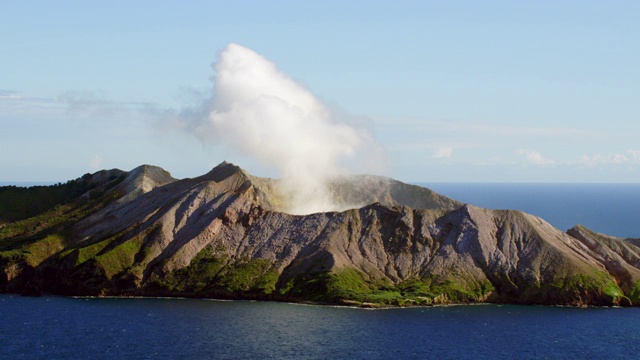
x,y
74,328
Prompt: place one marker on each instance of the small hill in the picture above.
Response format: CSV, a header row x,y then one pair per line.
x,y
18,203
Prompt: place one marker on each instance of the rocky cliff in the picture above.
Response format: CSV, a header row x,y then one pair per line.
x,y
226,235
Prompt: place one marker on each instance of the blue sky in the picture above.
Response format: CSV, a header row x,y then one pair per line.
x,y
464,91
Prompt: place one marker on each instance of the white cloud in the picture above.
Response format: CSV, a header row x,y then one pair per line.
x,y
634,155
619,159
535,157
86,104
630,157
14,103
444,152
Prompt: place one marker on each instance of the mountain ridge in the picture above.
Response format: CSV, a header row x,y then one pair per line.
x,y
225,234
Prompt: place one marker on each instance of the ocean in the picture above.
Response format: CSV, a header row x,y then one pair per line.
x,y
51,327
91,328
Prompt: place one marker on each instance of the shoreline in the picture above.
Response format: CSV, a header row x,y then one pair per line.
x,y
364,306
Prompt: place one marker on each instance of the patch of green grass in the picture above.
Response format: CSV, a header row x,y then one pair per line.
x,y
84,252
249,275
19,203
634,293
35,252
40,250
352,286
35,239
54,220
287,288
199,275
208,273
88,252
428,290
12,256
347,283
120,257
12,233
195,277
594,283
385,297
265,283
463,292
333,287
416,287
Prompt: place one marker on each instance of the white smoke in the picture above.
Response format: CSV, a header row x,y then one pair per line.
x,y
259,111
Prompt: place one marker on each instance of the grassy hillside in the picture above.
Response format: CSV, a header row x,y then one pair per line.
x,y
18,203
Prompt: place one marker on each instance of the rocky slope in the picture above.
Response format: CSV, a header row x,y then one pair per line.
x,y
225,235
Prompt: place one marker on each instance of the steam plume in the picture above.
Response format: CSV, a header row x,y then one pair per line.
x,y
261,112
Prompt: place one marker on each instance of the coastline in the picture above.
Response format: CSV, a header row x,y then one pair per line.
x,y
344,304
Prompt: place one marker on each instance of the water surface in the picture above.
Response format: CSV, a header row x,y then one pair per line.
x,y
75,328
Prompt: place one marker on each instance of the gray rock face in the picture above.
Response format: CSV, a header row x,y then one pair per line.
x,y
224,234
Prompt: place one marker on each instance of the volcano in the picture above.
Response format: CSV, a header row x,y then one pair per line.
x,y
227,234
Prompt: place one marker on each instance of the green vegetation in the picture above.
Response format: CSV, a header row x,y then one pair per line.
x,y
19,203
211,274
88,252
55,220
39,237
251,275
634,293
595,283
119,258
429,288
197,276
352,286
29,241
40,250
19,232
